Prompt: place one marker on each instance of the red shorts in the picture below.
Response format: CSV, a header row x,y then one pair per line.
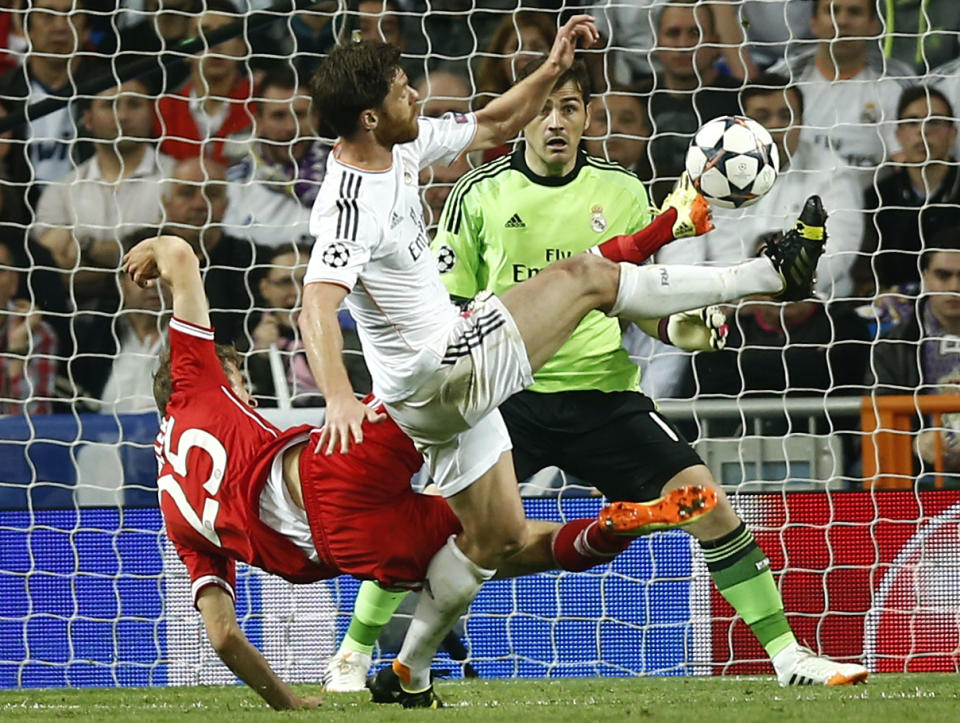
x,y
365,518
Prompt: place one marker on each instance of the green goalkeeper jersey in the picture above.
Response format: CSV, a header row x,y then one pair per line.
x,y
502,224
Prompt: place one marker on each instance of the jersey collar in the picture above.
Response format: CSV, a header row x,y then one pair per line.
x,y
519,163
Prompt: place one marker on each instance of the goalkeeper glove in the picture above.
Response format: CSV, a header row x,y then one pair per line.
x,y
698,330
694,217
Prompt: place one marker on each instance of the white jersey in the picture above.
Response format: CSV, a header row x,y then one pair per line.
x,y
855,117
811,171
371,239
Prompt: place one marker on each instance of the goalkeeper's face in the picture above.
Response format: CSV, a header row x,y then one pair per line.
x,y
554,135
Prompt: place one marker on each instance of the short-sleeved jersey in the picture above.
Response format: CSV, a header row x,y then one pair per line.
x,y
213,457
502,224
371,239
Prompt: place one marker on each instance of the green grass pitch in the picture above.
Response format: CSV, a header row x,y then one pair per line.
x,y
917,698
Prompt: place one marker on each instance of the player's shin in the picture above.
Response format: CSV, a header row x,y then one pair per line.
x,y
635,248
741,572
654,291
371,612
452,582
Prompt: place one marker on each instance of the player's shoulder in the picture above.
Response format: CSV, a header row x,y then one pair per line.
x,y
476,178
611,173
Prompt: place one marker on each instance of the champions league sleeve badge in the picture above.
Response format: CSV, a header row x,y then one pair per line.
x,y
598,222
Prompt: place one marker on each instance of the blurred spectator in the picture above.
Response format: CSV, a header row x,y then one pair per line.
x,y
804,170
156,30
946,79
798,348
13,45
921,355
631,29
919,198
849,94
28,345
775,30
619,129
117,352
688,91
42,285
518,39
81,217
194,204
922,33
273,187
215,103
274,323
443,91
57,33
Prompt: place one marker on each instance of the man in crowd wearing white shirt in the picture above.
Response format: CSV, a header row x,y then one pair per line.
x,y
804,169
82,216
276,180
441,371
850,93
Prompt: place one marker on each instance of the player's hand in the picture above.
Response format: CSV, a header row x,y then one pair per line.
x,y
141,262
307,703
698,330
344,421
579,27
694,216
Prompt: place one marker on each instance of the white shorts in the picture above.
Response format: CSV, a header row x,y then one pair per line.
x,y
453,418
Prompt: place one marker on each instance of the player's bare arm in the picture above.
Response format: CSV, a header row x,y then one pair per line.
x,y
504,117
237,653
323,342
170,259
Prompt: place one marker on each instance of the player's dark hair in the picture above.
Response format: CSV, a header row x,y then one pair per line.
x,y
916,92
768,83
163,380
353,78
576,74
946,239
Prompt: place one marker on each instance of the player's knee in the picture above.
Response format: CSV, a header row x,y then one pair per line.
x,y
593,275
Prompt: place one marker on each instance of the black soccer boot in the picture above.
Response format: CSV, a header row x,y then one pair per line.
x,y
795,255
385,688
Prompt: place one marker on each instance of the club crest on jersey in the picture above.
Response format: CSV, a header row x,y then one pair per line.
x,y
446,259
409,177
598,222
870,113
336,255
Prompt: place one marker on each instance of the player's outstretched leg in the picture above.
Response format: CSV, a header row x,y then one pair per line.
x,y
741,572
677,508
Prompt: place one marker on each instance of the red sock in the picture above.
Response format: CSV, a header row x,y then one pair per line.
x,y
581,544
640,246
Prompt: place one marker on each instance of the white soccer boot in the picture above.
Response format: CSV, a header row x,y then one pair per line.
x,y
346,672
797,665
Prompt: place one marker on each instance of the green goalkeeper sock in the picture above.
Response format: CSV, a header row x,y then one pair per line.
x,y
741,572
372,610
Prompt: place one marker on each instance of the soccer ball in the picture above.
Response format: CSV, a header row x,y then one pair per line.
x,y
732,161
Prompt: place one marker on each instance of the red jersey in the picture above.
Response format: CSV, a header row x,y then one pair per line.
x,y
214,454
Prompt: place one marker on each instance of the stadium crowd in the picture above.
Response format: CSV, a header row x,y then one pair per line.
x,y
224,149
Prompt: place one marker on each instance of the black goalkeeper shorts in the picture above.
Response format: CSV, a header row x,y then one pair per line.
x,y
616,441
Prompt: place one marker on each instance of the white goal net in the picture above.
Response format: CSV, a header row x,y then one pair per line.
x,y
119,119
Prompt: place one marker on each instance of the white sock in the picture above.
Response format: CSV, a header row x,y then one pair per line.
x,y
654,291
452,582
